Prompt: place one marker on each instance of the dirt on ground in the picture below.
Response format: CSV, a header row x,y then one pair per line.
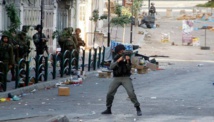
x,y
152,43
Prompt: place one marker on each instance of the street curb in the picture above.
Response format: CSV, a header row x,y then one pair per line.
x,y
27,89
37,86
59,118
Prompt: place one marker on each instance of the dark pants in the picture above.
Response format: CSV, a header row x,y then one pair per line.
x,y
126,82
3,74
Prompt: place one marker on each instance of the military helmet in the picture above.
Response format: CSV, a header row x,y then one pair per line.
x,y
70,29
25,28
3,36
38,26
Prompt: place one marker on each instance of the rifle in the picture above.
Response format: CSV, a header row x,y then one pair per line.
x,y
127,53
124,54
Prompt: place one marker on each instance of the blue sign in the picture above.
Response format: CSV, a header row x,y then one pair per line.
x,y
115,43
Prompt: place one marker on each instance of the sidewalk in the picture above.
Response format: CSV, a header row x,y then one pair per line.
x,y
38,86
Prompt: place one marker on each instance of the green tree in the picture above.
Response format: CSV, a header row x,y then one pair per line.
x,y
123,18
137,4
95,17
14,20
13,16
208,4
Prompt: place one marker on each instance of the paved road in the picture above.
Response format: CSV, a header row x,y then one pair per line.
x,y
182,92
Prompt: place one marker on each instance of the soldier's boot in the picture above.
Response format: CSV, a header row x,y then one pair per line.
x,y
139,113
107,111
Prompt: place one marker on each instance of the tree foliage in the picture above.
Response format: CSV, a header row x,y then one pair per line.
x,y
121,19
95,16
13,16
118,10
137,4
208,4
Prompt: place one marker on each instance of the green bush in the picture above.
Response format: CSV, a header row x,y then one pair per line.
x,y
208,4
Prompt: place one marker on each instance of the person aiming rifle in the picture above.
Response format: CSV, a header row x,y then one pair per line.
x,y
121,67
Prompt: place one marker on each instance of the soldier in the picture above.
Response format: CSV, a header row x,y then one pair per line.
x,y
80,42
121,67
40,42
72,41
152,10
67,41
24,42
62,40
15,45
24,46
6,56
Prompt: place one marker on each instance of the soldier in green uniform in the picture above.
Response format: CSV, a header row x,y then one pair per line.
x,y
62,39
24,43
80,42
6,56
67,41
15,45
24,46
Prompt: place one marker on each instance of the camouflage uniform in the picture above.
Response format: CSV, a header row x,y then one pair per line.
x,y
6,56
15,45
62,40
80,42
24,45
67,41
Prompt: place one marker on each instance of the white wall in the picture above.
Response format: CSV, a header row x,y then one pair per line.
x,y
101,8
55,23
1,13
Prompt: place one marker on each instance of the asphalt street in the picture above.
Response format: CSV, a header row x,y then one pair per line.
x,y
181,91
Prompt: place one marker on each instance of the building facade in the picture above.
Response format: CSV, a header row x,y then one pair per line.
x,y
57,15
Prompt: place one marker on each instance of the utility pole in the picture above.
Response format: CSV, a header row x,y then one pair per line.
x,y
132,18
109,37
42,17
148,6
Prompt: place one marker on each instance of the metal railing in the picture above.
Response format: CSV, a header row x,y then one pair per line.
x,y
46,66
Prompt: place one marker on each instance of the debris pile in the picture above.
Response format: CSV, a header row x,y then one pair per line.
x,y
202,16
